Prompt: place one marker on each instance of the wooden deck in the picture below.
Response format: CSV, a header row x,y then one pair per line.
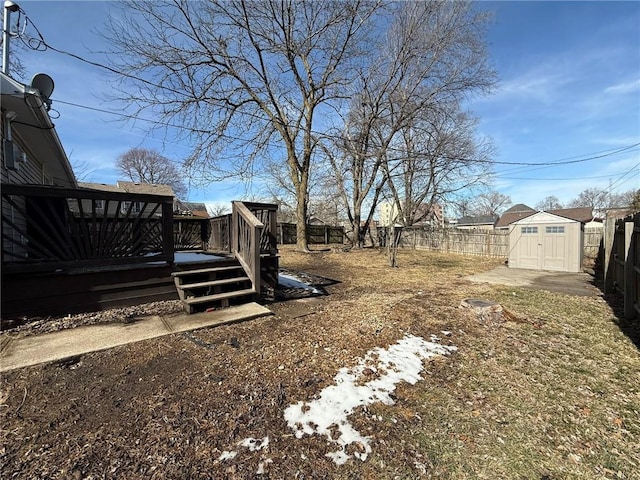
x,y
95,289
68,250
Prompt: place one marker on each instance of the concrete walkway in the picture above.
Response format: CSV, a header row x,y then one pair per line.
x,y
569,283
48,347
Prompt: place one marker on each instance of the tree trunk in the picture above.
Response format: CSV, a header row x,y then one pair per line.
x,y
357,240
301,217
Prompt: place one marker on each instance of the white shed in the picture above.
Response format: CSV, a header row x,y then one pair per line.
x,y
545,241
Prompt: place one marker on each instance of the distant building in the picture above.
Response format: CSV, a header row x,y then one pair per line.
x,y
426,214
478,222
190,209
388,214
134,207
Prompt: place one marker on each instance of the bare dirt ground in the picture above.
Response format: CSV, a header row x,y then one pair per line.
x,y
552,393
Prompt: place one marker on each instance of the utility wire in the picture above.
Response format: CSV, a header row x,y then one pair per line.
x,y
558,179
561,161
40,44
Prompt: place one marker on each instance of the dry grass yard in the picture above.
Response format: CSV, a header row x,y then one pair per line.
x,y
551,393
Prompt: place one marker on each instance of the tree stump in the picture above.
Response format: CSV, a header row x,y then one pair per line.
x,y
487,312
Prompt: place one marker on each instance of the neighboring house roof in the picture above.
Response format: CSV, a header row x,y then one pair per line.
x,y
131,187
477,220
33,130
618,212
519,207
513,214
581,214
191,208
313,220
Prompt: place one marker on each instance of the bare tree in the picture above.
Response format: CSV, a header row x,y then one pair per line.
x,y
243,77
621,199
549,203
149,166
599,200
81,169
634,204
218,209
491,203
355,155
437,158
463,206
431,55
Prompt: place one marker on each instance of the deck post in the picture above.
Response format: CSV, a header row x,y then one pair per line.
x,y
167,231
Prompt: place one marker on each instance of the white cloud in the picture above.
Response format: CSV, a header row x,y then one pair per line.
x,y
623,88
535,84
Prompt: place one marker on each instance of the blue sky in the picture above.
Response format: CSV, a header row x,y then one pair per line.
x,y
569,89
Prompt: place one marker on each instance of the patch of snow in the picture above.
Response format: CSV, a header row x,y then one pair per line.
x,y
254,444
291,281
226,455
195,257
261,465
327,414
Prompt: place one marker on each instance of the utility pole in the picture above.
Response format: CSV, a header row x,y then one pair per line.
x,y
9,7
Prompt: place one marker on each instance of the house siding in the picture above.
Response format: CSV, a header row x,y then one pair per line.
x,y
26,171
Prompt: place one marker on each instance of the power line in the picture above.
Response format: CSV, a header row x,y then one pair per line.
x,y
558,179
133,117
561,161
40,44
617,182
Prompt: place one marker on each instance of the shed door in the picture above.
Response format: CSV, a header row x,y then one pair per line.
x,y
529,248
555,247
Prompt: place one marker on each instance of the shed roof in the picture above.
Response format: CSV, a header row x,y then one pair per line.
x,y
544,217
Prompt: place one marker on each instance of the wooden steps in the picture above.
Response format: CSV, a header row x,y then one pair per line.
x,y
213,287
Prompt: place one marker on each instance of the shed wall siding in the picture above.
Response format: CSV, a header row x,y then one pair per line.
x,y
533,246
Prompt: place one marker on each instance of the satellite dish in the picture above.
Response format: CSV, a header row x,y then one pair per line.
x,y
44,83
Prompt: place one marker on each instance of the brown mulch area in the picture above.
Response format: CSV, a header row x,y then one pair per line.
x,y
37,325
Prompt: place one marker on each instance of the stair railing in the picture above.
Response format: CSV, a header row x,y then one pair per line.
x,y
245,241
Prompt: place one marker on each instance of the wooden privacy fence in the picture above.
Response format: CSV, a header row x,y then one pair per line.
x,y
316,234
622,261
489,243
592,242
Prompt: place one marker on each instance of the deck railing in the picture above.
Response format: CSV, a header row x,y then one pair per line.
x,y
220,234
191,233
246,233
45,229
48,228
265,213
